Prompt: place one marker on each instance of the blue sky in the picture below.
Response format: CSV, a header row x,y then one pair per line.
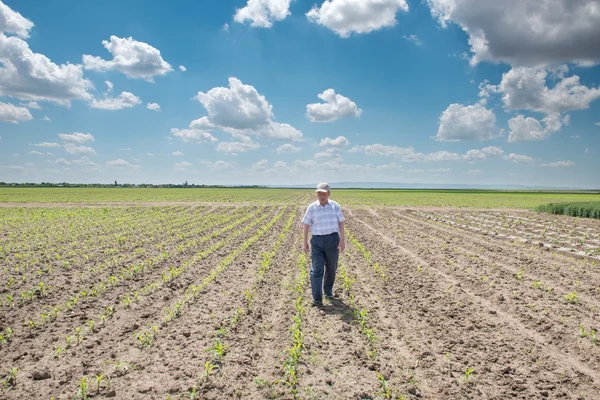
x,y
295,92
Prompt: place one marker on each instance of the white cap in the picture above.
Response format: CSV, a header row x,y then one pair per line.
x,y
323,187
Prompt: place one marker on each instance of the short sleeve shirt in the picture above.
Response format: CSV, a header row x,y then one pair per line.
x,y
323,220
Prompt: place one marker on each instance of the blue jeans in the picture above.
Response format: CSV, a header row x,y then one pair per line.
x,y
324,254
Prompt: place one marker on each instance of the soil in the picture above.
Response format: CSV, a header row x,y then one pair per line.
x,y
463,304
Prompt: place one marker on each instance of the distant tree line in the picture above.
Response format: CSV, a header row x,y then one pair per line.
x,y
119,185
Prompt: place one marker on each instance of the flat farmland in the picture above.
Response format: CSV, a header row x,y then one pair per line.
x,y
201,298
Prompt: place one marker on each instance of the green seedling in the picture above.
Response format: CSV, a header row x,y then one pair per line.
x,y
82,390
384,388
468,373
11,379
572,297
208,368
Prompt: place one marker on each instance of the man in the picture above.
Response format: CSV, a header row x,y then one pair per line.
x,y
325,220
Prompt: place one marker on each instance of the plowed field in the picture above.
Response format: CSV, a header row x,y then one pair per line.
x,y
213,301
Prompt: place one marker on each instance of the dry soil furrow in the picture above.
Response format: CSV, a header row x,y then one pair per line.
x,y
480,327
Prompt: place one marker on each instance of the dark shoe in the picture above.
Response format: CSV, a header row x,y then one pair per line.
x,y
316,303
329,297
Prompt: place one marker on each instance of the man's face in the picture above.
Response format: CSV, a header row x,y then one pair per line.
x,y
323,197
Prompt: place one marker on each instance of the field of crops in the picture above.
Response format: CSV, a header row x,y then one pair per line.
x,y
190,300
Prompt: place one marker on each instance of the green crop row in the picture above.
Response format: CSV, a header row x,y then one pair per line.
x,y
573,209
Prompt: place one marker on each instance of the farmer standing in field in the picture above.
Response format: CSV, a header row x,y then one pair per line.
x,y
325,220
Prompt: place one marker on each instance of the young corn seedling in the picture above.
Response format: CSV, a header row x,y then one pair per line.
x,y
384,388
58,352
468,373
572,297
208,368
582,331
11,379
82,390
78,334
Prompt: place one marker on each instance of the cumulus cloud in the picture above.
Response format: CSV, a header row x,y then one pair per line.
x,y
243,145
76,137
525,32
109,85
30,76
329,154
182,68
74,149
131,57
262,13
459,122
559,164
525,88
409,154
177,154
193,135
37,153
517,158
240,109
345,17
260,165
530,129
11,113
85,162
125,100
33,105
122,164
13,22
153,106
287,148
339,142
335,107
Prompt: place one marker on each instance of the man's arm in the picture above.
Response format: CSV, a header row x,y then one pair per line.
x,y
342,244
306,238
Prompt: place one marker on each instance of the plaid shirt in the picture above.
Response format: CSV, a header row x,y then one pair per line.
x,y
323,220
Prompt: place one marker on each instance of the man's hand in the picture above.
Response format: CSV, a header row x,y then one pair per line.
x,y
341,246
306,247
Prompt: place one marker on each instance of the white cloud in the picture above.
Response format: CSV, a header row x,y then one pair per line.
x,y
46,119
339,142
529,129
110,86
30,76
61,161
122,164
525,88
76,137
134,59
177,154
280,165
125,100
73,149
226,27
13,22
439,170
182,68
218,165
345,17
597,124
33,105
287,148
240,109
329,154
260,165
525,32
559,164
37,153
263,13
193,135
410,155
414,39
587,151
150,154
84,162
47,144
243,145
459,122
11,113
182,166
125,149
153,106
335,107
517,158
